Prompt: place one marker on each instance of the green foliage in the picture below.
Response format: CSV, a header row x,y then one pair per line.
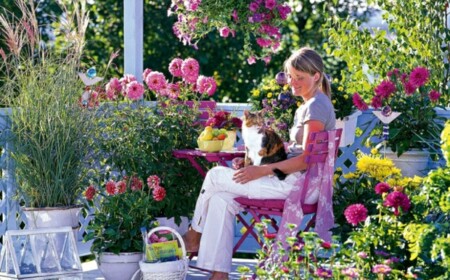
x,y
342,100
416,36
49,130
445,142
136,139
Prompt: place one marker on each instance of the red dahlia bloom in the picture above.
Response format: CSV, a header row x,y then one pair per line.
x,y
397,199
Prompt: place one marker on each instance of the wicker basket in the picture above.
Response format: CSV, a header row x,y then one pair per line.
x,y
173,270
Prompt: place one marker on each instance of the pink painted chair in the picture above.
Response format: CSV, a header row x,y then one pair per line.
x,y
267,208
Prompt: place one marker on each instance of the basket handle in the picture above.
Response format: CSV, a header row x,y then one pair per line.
x,y
183,247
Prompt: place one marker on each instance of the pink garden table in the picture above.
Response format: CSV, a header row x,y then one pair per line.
x,y
220,157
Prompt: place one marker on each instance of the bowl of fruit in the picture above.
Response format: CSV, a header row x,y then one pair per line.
x,y
211,139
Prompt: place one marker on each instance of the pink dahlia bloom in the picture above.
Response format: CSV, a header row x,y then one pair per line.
x,y
113,89
175,67
159,193
135,90
270,4
145,73
172,91
156,81
385,89
355,213
377,102
121,186
359,102
206,85
136,184
153,181
111,187
126,79
397,199
419,76
90,192
381,269
409,88
382,188
253,7
190,69
434,95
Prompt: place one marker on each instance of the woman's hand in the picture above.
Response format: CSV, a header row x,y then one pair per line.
x,y
237,163
249,173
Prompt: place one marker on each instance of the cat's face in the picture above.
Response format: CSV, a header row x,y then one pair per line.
x,y
253,119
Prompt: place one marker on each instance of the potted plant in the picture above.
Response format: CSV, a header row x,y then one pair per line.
x,y
49,131
120,206
417,128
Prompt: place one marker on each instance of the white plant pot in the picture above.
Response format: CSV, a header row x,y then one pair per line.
x,y
411,163
119,267
181,229
348,125
54,217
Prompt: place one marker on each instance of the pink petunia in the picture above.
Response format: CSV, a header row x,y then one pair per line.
x,y
156,81
159,193
206,85
135,90
397,199
270,4
419,76
251,60
359,102
382,187
224,31
90,192
190,69
284,11
253,6
263,43
267,59
175,67
385,89
381,269
235,15
434,95
355,213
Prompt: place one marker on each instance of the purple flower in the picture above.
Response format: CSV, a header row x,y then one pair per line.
x,y
253,7
409,88
381,253
281,78
324,273
355,213
270,4
284,11
397,199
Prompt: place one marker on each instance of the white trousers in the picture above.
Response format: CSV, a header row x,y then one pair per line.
x,y
215,211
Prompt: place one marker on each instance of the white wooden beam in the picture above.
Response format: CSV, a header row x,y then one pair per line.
x,y
133,37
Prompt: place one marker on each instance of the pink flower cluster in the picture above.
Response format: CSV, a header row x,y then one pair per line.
x,y
403,83
396,199
127,87
159,193
191,82
261,18
223,119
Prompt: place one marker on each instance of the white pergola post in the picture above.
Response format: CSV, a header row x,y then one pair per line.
x,y
133,37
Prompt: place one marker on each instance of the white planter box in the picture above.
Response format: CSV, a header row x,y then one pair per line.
x,y
348,125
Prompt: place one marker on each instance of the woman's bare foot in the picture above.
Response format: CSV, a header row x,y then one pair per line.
x,y
192,240
217,275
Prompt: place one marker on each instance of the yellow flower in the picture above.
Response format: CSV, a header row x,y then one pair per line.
x,y
335,178
269,95
299,103
377,168
265,87
340,88
339,169
255,92
374,151
346,96
351,175
285,87
334,101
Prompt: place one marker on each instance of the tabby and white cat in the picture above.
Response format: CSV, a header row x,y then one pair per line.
x,y
262,144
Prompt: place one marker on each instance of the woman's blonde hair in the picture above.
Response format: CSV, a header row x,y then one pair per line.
x,y
309,61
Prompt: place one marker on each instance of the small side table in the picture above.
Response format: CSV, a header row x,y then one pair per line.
x,y
220,157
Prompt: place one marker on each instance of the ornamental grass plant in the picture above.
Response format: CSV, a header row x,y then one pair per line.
x,y
49,131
